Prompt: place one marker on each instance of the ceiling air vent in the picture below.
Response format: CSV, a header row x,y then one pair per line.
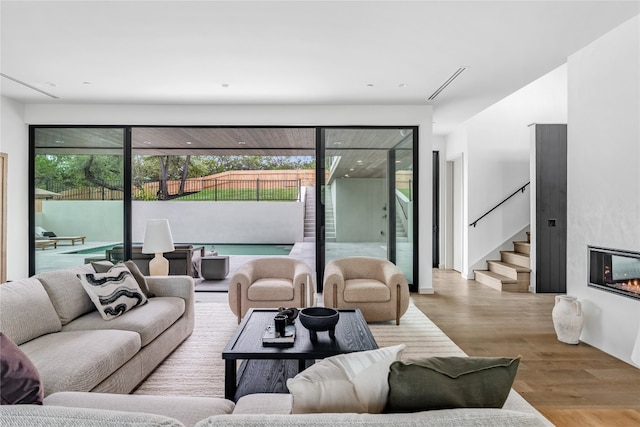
x,y
447,83
13,79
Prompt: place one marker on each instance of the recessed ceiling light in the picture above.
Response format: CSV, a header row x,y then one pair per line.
x,y
398,161
147,142
59,141
50,84
337,143
358,161
241,142
352,169
402,85
346,175
188,142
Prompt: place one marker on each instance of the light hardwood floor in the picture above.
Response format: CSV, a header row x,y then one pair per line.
x,y
572,385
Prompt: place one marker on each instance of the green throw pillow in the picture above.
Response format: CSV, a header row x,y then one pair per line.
x,y
450,382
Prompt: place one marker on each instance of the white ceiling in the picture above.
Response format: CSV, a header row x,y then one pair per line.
x,y
303,52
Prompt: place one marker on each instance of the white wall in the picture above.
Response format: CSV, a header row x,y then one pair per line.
x,y
98,221
358,210
14,140
495,144
274,115
223,222
604,178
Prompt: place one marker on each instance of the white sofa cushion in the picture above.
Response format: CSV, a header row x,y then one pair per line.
x,y
66,292
150,320
22,321
186,409
483,417
352,382
80,360
59,416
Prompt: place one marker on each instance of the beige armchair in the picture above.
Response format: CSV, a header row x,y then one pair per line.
x,y
376,286
270,283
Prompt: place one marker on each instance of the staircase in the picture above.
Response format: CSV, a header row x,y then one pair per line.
x,y
310,215
512,273
329,218
401,232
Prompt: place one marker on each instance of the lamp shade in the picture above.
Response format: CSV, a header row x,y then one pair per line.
x,y
157,237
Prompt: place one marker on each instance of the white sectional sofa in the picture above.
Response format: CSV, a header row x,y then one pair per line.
x,y
54,322
87,365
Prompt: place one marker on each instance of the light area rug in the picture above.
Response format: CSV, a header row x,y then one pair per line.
x,y
196,367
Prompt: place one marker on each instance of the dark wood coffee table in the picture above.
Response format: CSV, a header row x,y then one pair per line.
x,y
266,376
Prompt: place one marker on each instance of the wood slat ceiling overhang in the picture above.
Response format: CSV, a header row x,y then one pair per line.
x,y
354,152
227,141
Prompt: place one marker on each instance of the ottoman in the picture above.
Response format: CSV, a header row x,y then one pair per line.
x,y
214,267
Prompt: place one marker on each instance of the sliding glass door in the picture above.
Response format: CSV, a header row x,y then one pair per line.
x,y
367,195
77,194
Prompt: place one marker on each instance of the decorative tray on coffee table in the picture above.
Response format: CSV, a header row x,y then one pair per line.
x,y
269,336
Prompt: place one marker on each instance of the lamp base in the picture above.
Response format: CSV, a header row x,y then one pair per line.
x,y
159,266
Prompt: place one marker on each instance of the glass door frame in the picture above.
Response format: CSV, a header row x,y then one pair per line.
x,y
391,182
126,159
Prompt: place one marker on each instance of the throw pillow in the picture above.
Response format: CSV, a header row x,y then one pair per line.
x,y
113,293
137,274
101,266
20,379
450,382
352,382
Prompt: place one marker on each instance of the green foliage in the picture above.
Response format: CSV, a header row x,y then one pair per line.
x,y
146,168
56,172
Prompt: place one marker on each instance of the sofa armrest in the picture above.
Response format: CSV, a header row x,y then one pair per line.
x,y
333,285
176,286
264,403
171,286
392,274
186,409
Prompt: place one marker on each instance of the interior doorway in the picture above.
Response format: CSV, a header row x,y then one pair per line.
x,y
454,229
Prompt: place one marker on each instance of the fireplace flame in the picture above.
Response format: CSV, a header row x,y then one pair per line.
x,y
632,285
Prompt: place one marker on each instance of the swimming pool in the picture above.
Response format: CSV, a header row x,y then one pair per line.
x,y
223,249
98,250
251,249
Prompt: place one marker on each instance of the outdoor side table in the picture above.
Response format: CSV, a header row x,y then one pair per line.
x,y
214,267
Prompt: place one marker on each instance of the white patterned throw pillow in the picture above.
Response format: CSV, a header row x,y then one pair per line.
x,y
114,292
352,382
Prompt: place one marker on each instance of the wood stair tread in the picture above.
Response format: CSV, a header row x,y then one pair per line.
x,y
515,253
500,277
518,268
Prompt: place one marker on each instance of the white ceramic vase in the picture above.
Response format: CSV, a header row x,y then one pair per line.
x,y
567,319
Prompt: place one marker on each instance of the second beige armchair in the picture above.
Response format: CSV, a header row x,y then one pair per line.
x,y
271,282
376,286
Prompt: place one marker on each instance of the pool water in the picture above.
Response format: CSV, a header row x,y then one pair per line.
x,y
226,249
248,249
98,250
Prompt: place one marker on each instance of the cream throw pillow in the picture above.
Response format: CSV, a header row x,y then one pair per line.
x,y
352,382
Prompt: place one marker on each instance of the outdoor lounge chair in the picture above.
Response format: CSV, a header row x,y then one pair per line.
x,y
51,236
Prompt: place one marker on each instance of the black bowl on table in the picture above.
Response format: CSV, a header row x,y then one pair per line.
x,y
318,319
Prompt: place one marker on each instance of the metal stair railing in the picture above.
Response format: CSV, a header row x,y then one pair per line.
x,y
521,189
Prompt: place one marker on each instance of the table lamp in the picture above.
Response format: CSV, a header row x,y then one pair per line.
x,y
157,240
